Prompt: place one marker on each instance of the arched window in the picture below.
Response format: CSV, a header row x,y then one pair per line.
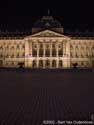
x,y
17,55
60,63
12,55
54,63
23,54
87,48
41,46
23,46
47,52
17,46
53,46
40,63
71,47
12,48
41,52
34,64
60,52
34,52
77,48
47,63
35,46
53,50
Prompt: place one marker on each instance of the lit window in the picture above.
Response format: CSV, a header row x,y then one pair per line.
x,y
23,46
18,55
17,46
35,46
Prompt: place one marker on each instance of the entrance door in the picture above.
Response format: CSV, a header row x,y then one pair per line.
x,y
47,64
1,63
54,64
60,64
34,65
93,64
40,63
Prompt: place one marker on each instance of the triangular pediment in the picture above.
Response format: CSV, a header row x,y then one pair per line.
x,y
47,33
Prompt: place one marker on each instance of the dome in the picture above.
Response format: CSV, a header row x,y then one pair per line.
x,y
47,22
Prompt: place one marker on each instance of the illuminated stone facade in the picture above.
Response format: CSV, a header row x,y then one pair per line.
x,y
47,47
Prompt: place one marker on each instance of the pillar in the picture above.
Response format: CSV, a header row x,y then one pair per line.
x,y
57,50
51,50
44,50
37,50
44,64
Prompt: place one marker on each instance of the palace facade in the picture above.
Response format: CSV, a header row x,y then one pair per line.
x,y
46,47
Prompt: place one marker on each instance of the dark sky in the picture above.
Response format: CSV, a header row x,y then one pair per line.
x,y
73,14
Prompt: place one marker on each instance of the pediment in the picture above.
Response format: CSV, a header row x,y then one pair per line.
x,y
47,33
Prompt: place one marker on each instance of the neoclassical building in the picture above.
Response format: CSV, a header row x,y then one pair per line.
x,y
46,47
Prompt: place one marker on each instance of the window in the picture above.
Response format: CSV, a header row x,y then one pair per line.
x,y
34,64
23,54
47,46
18,55
77,47
34,52
60,63
41,46
76,55
54,52
35,46
1,48
71,46
47,63
60,52
12,55
53,46
12,47
54,63
47,53
41,52
40,63
23,46
18,47
1,55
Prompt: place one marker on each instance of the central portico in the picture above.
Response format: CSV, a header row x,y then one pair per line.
x,y
47,49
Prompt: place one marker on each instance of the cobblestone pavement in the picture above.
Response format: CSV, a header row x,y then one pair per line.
x,y
31,98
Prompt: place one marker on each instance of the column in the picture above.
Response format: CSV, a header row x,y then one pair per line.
x,y
64,48
26,48
37,61
51,50
57,63
37,55
68,54
31,49
50,63
44,64
57,50
44,50
27,61
38,50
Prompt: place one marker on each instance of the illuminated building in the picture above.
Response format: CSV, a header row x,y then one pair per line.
x,y
46,47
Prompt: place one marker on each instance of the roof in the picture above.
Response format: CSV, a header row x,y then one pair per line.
x,y
21,35
47,22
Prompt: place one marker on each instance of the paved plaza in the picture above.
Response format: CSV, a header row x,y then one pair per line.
x,y
31,97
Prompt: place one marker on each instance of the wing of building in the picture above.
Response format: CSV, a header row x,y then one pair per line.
x,y
46,47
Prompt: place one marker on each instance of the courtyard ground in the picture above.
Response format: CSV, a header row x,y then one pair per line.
x,y
29,97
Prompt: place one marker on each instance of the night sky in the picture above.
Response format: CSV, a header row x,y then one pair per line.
x,y
21,15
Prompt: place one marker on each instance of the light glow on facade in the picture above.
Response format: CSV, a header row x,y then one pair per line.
x,y
47,47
